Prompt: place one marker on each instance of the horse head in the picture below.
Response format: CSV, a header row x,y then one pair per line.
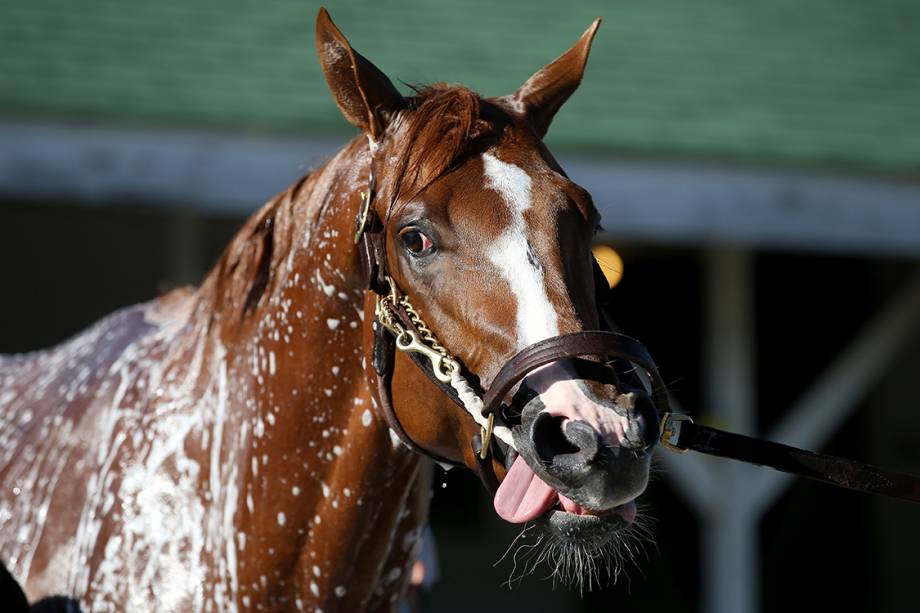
x,y
487,240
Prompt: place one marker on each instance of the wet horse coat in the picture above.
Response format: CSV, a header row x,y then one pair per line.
x,y
221,448
218,445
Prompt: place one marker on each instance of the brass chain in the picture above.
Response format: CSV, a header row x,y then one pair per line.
x,y
442,362
427,335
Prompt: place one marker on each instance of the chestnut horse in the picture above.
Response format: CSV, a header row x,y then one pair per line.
x,y
224,447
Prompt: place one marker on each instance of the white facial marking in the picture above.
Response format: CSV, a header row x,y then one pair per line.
x,y
562,397
536,318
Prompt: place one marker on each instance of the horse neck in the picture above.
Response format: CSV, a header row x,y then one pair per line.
x,y
321,482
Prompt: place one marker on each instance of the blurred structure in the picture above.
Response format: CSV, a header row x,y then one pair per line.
x,y
757,167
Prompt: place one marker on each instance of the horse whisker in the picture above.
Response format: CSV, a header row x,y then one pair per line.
x,y
584,565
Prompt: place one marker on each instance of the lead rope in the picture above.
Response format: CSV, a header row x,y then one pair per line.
x,y
473,405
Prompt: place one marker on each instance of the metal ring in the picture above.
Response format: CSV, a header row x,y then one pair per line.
x,y
670,431
486,435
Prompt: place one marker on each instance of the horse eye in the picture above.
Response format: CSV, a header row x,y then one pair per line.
x,y
416,242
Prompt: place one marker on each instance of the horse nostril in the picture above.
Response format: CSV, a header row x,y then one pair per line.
x,y
568,447
582,436
548,438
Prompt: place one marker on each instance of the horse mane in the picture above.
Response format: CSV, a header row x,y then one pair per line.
x,y
246,268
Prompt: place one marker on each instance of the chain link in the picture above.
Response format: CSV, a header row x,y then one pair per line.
x,y
442,361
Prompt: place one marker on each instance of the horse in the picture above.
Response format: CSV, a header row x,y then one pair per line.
x,y
262,441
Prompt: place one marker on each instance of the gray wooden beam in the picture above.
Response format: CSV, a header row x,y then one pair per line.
x,y
646,201
230,174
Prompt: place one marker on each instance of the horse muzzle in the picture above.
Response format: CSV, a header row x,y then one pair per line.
x,y
583,448
599,469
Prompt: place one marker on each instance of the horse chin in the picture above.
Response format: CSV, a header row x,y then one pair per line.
x,y
588,529
582,551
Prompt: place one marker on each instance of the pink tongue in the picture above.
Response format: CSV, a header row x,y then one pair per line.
x,y
523,496
571,506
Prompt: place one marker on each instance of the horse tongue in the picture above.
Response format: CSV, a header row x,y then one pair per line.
x,y
522,495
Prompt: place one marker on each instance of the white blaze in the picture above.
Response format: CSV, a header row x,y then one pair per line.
x,y
536,319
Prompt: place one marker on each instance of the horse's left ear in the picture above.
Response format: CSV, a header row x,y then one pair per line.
x,y
541,96
363,93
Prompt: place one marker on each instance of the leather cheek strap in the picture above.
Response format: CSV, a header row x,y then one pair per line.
x,y
384,358
372,254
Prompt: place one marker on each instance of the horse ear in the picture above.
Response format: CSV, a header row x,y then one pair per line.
x,y
543,93
363,93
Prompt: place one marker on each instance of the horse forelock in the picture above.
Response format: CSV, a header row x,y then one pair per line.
x,y
440,125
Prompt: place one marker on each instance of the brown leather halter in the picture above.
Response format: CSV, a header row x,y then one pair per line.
x,y
407,331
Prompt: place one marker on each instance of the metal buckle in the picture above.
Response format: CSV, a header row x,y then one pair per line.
x,y
367,196
394,294
361,220
486,435
670,431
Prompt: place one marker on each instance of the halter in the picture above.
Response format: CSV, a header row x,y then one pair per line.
x,y
398,325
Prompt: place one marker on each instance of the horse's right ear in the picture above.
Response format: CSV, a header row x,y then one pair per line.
x,y
544,92
364,94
